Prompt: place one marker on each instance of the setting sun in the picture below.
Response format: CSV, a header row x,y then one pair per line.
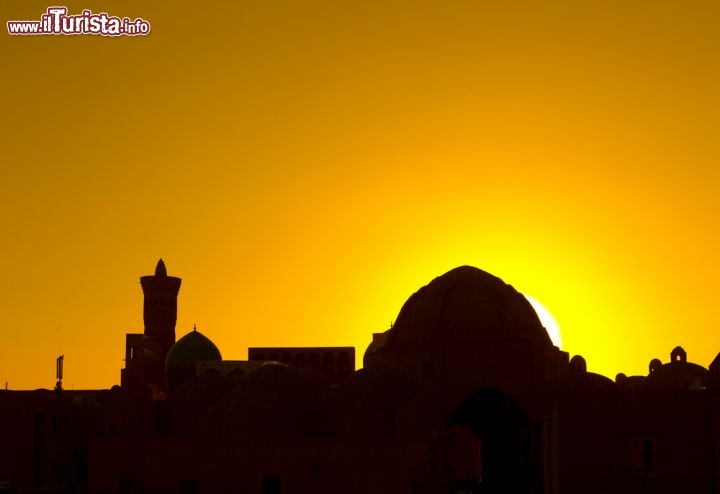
x,y
360,192
547,320
306,167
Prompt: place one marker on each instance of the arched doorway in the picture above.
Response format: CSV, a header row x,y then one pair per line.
x,y
488,446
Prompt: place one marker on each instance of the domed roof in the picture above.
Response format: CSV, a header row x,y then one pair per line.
x,y
466,303
190,349
677,375
588,381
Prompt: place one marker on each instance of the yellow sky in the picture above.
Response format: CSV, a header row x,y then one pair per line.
x,y
306,166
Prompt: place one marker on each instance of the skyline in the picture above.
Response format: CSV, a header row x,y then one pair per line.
x,y
305,169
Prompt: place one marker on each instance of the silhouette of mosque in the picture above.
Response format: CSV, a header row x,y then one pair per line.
x,y
465,393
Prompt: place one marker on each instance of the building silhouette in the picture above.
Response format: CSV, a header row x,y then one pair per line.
x,y
465,393
145,353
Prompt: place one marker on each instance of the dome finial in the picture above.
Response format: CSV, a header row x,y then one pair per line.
x,y
194,327
160,269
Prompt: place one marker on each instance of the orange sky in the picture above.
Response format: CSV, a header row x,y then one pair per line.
x,y
306,166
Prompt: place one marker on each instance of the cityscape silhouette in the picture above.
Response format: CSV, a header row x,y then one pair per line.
x,y
407,247
465,393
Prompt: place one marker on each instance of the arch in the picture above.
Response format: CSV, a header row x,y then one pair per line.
x,y
287,358
211,372
314,360
273,357
328,359
503,432
259,356
300,358
464,459
678,354
236,374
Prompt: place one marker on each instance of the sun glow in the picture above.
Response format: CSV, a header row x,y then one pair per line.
x,y
547,320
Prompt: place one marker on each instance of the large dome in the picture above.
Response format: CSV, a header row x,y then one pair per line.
x,y
466,303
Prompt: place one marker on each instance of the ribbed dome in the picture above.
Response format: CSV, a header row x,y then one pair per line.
x,y
466,303
191,348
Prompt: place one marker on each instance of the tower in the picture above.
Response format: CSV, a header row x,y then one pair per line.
x,y
160,306
145,353
159,315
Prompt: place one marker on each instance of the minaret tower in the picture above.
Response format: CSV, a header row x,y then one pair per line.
x,y
160,312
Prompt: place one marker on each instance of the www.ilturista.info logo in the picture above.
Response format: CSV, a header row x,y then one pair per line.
x,y
57,21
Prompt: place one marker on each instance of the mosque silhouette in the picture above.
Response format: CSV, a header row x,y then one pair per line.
x,y
465,393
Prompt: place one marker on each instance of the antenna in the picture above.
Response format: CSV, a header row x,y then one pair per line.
x,y
59,367
59,374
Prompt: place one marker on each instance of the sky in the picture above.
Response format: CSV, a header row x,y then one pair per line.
x,y
305,167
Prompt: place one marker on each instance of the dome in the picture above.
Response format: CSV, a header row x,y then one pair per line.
x,y
466,303
588,381
629,383
677,376
191,348
182,356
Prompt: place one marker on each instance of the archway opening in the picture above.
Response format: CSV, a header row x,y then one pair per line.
x,y
488,445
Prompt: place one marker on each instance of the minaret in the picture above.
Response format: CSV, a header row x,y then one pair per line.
x,y
160,313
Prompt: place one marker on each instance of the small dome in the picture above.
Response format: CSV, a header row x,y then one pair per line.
x,y
578,365
191,348
655,364
590,381
185,353
677,375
